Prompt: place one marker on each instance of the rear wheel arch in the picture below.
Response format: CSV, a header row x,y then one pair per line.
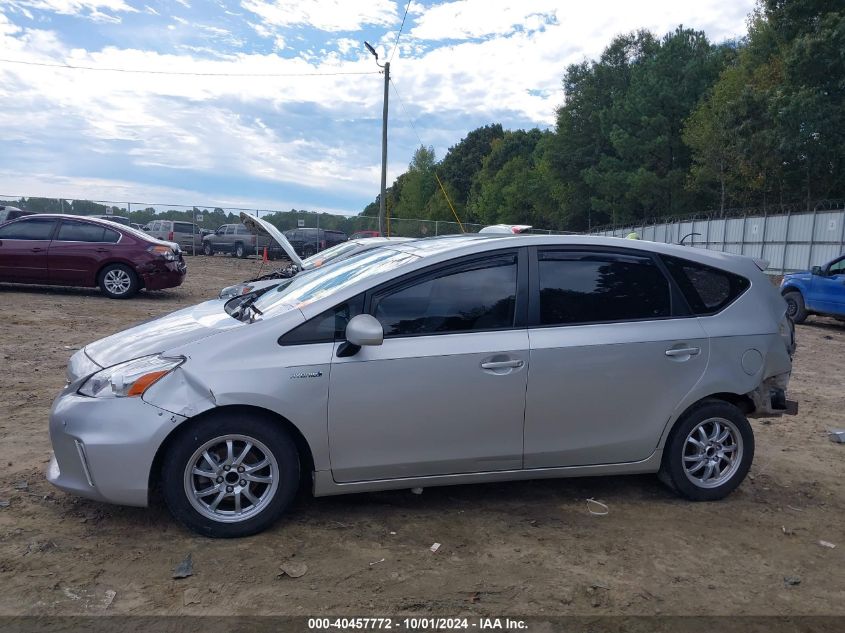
x,y
303,448
740,401
118,260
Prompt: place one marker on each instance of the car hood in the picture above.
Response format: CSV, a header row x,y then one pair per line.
x,y
162,333
261,227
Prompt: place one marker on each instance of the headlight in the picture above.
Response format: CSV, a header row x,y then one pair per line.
x,y
128,379
235,291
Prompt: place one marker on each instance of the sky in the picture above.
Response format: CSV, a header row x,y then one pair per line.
x,y
278,105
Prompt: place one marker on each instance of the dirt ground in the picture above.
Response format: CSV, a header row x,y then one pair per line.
x,y
529,548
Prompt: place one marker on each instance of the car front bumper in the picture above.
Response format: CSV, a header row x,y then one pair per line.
x,y
103,448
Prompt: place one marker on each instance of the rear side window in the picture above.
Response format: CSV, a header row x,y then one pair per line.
x,y
707,290
35,229
473,297
242,230
183,227
583,287
80,232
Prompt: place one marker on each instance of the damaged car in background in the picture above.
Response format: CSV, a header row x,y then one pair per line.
x,y
475,358
253,288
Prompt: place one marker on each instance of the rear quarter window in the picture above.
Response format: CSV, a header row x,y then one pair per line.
x,y
708,290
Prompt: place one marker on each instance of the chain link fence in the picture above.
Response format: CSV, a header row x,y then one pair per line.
x,y
211,217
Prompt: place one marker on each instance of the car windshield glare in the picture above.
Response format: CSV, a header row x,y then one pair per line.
x,y
326,281
324,257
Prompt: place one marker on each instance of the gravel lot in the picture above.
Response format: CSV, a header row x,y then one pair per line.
x,y
529,548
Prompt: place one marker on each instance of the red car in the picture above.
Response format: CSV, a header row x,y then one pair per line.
x,y
70,250
357,235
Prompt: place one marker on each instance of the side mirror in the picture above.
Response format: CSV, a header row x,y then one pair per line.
x,y
361,330
364,329
816,270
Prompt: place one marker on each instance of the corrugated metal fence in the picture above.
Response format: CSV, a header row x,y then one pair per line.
x,y
789,242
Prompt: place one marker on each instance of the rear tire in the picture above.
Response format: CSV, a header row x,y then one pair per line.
x,y
709,452
118,281
795,307
308,251
207,249
236,481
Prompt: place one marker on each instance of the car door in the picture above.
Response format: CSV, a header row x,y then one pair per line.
x,y
78,251
612,355
445,392
23,249
828,290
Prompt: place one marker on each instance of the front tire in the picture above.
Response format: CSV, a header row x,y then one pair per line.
x,y
118,281
240,251
709,452
795,307
230,475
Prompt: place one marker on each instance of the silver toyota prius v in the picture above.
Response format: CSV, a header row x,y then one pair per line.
x,y
473,358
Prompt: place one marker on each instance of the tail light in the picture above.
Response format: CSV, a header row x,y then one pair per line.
x,y
170,236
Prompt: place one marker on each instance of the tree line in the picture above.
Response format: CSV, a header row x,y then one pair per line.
x,y
658,127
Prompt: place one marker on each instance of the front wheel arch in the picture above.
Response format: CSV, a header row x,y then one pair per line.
x,y
306,457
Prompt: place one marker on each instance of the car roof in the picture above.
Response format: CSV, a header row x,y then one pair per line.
x,y
470,243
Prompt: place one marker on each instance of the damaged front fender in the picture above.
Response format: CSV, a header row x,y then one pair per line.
x,y
182,393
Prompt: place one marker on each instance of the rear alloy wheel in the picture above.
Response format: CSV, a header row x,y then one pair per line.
x,y
709,452
795,308
118,281
308,251
240,251
231,476
206,248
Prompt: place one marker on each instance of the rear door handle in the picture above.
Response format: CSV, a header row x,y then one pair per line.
x,y
683,351
37,250
502,364
104,250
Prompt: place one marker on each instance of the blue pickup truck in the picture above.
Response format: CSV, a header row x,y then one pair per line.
x,y
819,291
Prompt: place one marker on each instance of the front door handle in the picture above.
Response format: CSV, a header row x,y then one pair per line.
x,y
683,351
104,250
37,250
502,364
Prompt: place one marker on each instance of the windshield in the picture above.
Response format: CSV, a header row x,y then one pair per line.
x,y
324,282
324,257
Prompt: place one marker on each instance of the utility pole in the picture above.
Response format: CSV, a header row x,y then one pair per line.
x,y
382,206
382,214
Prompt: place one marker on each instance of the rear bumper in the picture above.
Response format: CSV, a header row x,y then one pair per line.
x,y
103,448
160,275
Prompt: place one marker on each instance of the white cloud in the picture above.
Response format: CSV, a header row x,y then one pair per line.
x,y
466,19
326,15
92,9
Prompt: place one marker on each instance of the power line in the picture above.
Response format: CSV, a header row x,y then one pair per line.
x,y
407,6
182,73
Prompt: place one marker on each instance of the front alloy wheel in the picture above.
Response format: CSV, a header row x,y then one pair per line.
x,y
231,473
231,477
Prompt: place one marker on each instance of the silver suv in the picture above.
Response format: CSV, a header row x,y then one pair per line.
x,y
474,358
186,234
